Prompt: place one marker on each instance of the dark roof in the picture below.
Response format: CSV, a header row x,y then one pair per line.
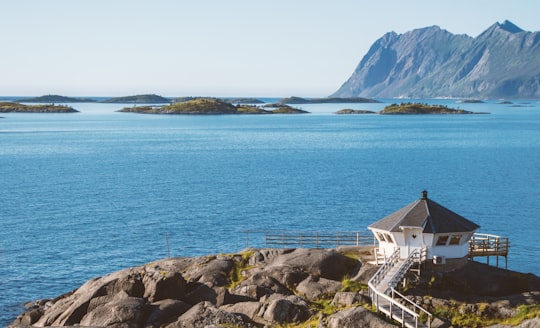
x,y
427,214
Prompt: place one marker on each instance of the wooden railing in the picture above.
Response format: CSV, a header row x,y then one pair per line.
x,y
486,245
483,244
307,239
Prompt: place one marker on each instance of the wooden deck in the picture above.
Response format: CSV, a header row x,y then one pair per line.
x,y
486,245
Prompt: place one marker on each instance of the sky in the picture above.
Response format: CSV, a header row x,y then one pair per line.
x,y
246,48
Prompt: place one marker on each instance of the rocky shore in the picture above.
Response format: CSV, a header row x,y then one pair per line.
x,y
324,288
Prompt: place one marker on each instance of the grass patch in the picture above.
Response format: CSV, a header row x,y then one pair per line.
x,y
349,285
241,262
525,312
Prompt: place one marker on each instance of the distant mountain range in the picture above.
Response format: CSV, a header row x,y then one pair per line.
x,y
502,62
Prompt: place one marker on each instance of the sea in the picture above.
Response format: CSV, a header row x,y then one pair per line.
x,y
85,194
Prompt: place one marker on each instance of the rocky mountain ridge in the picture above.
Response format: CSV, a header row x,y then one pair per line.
x,y
501,62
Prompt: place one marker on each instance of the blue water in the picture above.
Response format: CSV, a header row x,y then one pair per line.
x,y
88,193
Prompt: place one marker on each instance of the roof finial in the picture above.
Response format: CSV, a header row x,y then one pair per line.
x,y
424,194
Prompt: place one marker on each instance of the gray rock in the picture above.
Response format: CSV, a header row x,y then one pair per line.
x,y
349,299
286,309
317,287
215,295
249,309
125,312
356,317
327,263
205,314
165,311
161,283
259,285
531,323
214,272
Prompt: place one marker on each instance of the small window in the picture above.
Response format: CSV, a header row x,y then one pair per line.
x,y
380,236
441,241
388,238
455,239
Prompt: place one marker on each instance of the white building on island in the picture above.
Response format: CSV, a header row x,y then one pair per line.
x,y
425,225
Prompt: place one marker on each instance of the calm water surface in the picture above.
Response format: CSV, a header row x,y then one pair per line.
x,y
88,193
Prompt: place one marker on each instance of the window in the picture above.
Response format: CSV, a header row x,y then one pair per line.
x,y
388,238
455,239
380,236
441,241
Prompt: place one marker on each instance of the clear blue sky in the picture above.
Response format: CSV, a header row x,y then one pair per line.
x,y
215,47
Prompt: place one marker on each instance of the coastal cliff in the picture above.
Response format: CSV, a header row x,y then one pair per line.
x,y
283,287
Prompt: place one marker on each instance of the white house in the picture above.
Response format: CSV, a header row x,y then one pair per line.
x,y
425,224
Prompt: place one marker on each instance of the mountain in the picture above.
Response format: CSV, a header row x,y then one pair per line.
x,y
501,62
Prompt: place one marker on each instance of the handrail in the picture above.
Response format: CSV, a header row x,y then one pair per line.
x,y
482,243
417,256
388,264
286,238
411,259
416,306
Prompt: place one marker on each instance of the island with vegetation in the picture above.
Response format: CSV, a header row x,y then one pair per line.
x,y
419,108
13,107
229,100
289,287
210,106
328,100
348,111
139,99
54,99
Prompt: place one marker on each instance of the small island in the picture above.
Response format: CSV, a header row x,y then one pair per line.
x,y
51,99
229,100
418,108
329,100
139,99
210,106
348,111
12,107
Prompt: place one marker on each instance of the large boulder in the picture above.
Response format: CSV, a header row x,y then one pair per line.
x,y
249,309
326,263
356,317
165,311
282,309
315,287
215,295
126,311
161,283
206,314
350,298
211,270
259,285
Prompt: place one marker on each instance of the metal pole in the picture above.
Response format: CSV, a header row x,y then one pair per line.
x,y
167,243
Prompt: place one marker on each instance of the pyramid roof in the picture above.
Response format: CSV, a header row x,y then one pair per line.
x,y
428,215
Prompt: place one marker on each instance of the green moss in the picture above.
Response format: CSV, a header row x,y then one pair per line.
x,y
524,312
240,264
349,285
